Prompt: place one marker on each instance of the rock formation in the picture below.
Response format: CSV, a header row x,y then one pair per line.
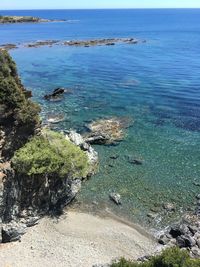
x,y
107,131
40,171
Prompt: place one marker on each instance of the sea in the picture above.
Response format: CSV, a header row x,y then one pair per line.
x,y
155,84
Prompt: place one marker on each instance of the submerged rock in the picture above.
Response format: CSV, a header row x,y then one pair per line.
x,y
55,118
116,198
170,207
135,161
107,131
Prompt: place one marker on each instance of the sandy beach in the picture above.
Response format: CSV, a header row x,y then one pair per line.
x,y
76,239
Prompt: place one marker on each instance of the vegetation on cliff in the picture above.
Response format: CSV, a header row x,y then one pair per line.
x,y
173,257
19,116
50,154
15,105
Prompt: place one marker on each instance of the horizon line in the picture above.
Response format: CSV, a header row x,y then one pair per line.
x,y
118,8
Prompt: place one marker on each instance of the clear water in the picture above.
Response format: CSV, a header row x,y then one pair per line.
x,y
156,84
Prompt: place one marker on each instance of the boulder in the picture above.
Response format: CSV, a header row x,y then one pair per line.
x,y
178,230
185,241
57,93
12,232
164,239
116,198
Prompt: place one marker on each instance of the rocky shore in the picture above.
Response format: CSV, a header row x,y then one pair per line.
x,y
76,43
24,19
185,234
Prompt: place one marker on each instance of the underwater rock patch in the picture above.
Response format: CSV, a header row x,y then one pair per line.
x,y
107,131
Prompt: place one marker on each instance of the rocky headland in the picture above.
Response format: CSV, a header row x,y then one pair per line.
x,y
41,171
24,19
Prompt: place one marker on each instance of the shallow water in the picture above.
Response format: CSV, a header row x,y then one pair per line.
x,y
155,84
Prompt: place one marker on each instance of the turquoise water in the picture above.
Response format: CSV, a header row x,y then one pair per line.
x,y
155,84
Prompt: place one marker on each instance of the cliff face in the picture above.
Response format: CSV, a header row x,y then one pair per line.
x,y
40,171
18,115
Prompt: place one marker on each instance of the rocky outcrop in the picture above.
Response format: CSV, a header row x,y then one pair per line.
x,y
107,131
77,43
78,140
23,19
57,93
185,234
111,41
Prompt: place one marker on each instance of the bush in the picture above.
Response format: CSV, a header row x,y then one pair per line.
x,y
173,257
16,106
50,154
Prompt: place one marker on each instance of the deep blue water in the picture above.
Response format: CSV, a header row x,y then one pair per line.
x,y
156,84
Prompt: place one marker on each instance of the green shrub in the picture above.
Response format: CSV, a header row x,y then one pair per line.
x,y
173,257
16,106
50,154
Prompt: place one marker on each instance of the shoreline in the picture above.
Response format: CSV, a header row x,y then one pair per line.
x,y
78,239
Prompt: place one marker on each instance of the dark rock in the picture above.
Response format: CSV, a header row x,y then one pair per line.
x,y
193,229
116,198
12,232
180,242
198,196
137,162
196,183
176,231
97,139
189,241
56,94
185,241
134,161
110,44
114,157
163,240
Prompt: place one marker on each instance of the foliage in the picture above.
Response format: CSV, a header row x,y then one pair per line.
x,y
173,257
13,101
50,154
